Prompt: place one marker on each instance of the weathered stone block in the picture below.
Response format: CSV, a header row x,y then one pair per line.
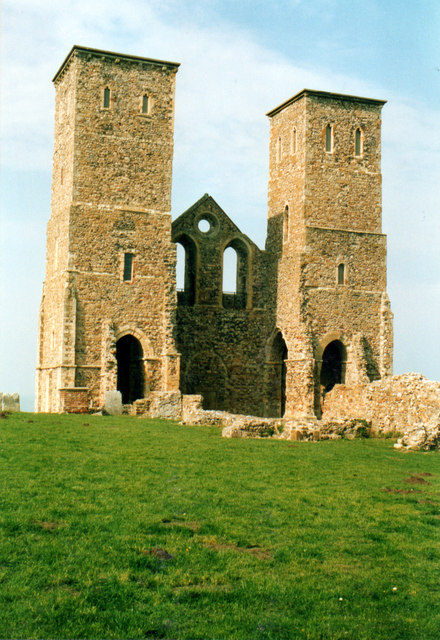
x,y
113,403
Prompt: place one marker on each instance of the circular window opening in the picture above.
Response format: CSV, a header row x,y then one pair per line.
x,y
204,225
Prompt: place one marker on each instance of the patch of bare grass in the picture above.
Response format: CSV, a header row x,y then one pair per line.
x,y
416,480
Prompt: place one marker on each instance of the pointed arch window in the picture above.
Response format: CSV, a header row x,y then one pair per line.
x,y
186,271
235,275
230,261
358,143
106,98
329,138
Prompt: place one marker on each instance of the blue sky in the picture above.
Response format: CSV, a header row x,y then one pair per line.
x,y
239,58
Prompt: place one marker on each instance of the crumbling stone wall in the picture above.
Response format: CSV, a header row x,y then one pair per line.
x,y
408,404
221,336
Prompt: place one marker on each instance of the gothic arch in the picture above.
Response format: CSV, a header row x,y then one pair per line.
x,y
130,374
243,273
275,392
129,329
332,364
188,296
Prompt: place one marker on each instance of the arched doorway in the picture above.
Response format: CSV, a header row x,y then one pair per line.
x,y
130,379
333,365
276,377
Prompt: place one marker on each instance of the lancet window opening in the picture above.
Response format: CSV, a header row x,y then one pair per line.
x,y
186,271
329,138
145,104
358,142
341,273
106,98
235,275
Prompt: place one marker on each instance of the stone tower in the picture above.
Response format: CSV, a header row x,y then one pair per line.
x,y
327,253
107,311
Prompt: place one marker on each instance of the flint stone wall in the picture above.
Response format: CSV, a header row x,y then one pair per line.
x,y
408,404
160,404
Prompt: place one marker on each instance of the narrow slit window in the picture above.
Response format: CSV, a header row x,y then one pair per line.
x,y
294,143
329,138
341,274
279,150
286,224
128,267
358,142
106,102
145,104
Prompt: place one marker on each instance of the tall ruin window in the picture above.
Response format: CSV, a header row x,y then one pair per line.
x,y
358,146
286,223
329,138
106,98
276,380
186,271
145,104
230,270
293,141
235,275
341,273
279,150
128,267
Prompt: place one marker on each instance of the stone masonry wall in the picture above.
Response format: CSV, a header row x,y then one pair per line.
x,y
111,196
221,336
324,212
343,189
408,404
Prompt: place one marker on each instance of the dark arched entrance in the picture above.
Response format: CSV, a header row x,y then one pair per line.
x,y
129,356
333,365
277,377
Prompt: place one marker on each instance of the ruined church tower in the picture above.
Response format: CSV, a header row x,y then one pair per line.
x,y
106,317
326,247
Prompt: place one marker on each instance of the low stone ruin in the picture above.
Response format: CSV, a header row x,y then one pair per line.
x,y
9,402
407,405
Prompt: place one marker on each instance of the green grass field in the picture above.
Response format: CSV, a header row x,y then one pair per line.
x,y
130,528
